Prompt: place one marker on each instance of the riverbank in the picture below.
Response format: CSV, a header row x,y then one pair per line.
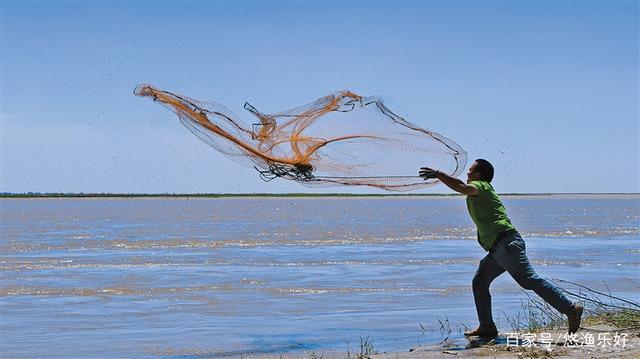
x,y
594,340
610,328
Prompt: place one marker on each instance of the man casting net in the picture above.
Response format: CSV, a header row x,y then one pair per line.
x,y
339,139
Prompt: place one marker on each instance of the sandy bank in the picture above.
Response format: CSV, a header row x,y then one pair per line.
x,y
594,341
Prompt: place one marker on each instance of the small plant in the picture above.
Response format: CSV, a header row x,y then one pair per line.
x,y
445,331
535,315
366,349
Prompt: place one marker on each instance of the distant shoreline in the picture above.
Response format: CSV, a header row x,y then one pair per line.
x,y
277,195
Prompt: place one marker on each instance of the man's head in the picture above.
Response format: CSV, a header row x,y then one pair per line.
x,y
480,170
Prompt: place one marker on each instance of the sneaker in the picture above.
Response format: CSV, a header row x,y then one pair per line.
x,y
574,318
486,331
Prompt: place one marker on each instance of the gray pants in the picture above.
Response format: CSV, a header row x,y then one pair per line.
x,y
509,254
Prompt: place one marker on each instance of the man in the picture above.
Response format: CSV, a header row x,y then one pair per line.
x,y
507,251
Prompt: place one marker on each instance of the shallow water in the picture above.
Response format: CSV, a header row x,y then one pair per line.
x,y
221,277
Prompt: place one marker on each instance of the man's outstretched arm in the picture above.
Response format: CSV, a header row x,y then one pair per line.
x,y
451,182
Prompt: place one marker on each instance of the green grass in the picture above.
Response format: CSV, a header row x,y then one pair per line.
x,y
621,318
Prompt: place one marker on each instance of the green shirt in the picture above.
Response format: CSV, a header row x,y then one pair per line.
x,y
488,213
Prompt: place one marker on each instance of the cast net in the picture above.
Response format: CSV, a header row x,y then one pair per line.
x,y
339,139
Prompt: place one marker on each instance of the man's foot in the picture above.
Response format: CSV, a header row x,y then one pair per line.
x,y
483,331
574,318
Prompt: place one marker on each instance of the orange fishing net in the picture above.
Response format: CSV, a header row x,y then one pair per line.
x,y
339,139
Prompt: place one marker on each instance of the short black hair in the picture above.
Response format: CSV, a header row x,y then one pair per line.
x,y
485,168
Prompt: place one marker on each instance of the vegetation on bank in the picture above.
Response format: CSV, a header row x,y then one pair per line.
x,y
600,308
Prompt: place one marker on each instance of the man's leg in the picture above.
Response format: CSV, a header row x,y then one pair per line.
x,y
487,271
510,253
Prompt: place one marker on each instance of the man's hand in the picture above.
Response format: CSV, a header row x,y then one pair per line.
x,y
451,182
428,173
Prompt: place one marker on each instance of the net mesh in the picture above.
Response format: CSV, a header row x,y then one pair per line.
x,y
339,139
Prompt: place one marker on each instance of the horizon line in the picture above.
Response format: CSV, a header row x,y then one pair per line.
x,y
283,194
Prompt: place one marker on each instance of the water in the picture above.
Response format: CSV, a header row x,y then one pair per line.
x,y
193,277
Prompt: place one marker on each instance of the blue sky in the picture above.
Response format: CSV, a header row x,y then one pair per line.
x,y
547,91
